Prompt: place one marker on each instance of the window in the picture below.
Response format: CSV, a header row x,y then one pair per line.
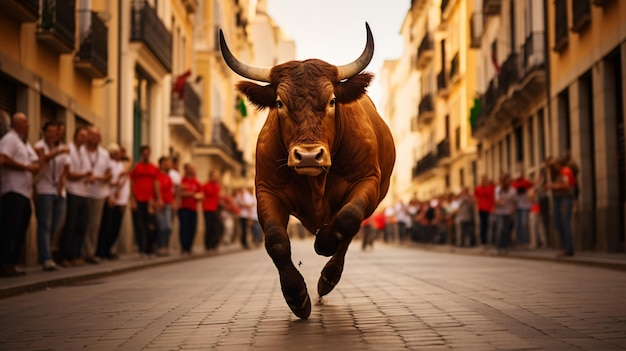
x,y
531,141
560,25
457,138
519,144
462,177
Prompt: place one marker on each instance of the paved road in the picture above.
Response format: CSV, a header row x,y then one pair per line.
x,y
392,298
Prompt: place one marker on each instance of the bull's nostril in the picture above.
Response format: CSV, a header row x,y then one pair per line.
x,y
297,155
319,155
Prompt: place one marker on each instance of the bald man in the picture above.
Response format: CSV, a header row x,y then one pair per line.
x,y
20,163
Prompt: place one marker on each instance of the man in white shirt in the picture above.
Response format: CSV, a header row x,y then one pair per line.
x,y
50,205
97,190
77,203
19,164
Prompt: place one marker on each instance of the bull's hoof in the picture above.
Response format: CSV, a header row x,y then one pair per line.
x,y
300,304
329,278
327,242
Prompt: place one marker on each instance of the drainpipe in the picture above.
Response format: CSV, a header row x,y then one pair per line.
x,y
119,73
546,49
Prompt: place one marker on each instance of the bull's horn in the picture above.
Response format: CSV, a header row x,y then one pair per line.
x,y
354,68
242,69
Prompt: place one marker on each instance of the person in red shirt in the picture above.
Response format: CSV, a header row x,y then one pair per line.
x,y
164,216
190,192
210,206
144,200
485,196
562,187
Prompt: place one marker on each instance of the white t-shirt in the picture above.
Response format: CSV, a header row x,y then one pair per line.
x,y
17,181
79,163
100,163
246,202
506,199
175,176
117,168
48,182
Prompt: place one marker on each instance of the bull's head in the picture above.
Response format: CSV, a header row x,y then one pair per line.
x,y
305,96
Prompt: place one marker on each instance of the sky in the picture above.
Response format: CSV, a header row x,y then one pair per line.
x,y
334,30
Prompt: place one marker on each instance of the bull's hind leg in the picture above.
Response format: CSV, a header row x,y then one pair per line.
x,y
332,271
291,281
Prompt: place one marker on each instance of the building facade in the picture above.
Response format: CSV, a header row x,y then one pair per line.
x,y
146,72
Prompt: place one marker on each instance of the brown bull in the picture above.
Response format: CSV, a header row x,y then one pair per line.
x,y
324,155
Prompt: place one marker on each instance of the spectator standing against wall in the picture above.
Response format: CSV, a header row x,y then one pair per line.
x,y
245,202
504,211
485,197
190,193
465,214
50,185
77,213
113,211
522,211
213,226
144,200
562,187
164,213
20,162
97,190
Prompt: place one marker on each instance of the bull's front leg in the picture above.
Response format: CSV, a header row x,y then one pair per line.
x,y
361,201
273,217
334,239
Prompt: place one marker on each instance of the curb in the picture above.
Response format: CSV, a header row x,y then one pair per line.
x,y
608,263
100,272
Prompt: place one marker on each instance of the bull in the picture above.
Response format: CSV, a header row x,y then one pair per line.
x,y
323,155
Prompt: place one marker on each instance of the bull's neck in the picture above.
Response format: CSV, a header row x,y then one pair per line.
x,y
318,189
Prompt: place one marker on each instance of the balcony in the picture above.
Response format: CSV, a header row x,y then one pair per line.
x,y
532,68
442,83
21,10
443,150
185,111
581,15
454,68
57,25
560,26
148,29
492,7
223,139
476,30
425,110
425,164
92,56
425,51
509,73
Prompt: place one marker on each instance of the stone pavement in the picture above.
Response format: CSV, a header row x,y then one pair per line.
x,y
36,279
390,298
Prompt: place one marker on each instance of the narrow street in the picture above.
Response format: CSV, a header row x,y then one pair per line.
x,y
391,298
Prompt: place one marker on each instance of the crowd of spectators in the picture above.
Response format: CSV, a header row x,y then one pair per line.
x,y
510,213
81,190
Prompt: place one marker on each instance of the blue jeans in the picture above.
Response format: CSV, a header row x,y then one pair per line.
x,y
521,226
50,210
164,220
502,231
563,206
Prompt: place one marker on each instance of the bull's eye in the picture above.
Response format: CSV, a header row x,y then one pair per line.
x,y
279,104
332,102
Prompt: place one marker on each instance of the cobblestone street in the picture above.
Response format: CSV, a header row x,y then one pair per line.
x,y
391,298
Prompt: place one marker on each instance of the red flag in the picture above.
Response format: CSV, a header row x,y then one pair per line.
x,y
179,85
494,60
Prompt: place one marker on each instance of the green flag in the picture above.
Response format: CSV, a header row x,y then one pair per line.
x,y
241,106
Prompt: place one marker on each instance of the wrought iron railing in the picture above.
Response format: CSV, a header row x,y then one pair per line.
x,y
93,46
224,139
147,27
58,18
188,105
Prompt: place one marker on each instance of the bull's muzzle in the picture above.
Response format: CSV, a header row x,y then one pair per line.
x,y
309,159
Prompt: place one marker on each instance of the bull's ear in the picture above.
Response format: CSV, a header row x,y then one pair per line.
x,y
258,95
352,89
